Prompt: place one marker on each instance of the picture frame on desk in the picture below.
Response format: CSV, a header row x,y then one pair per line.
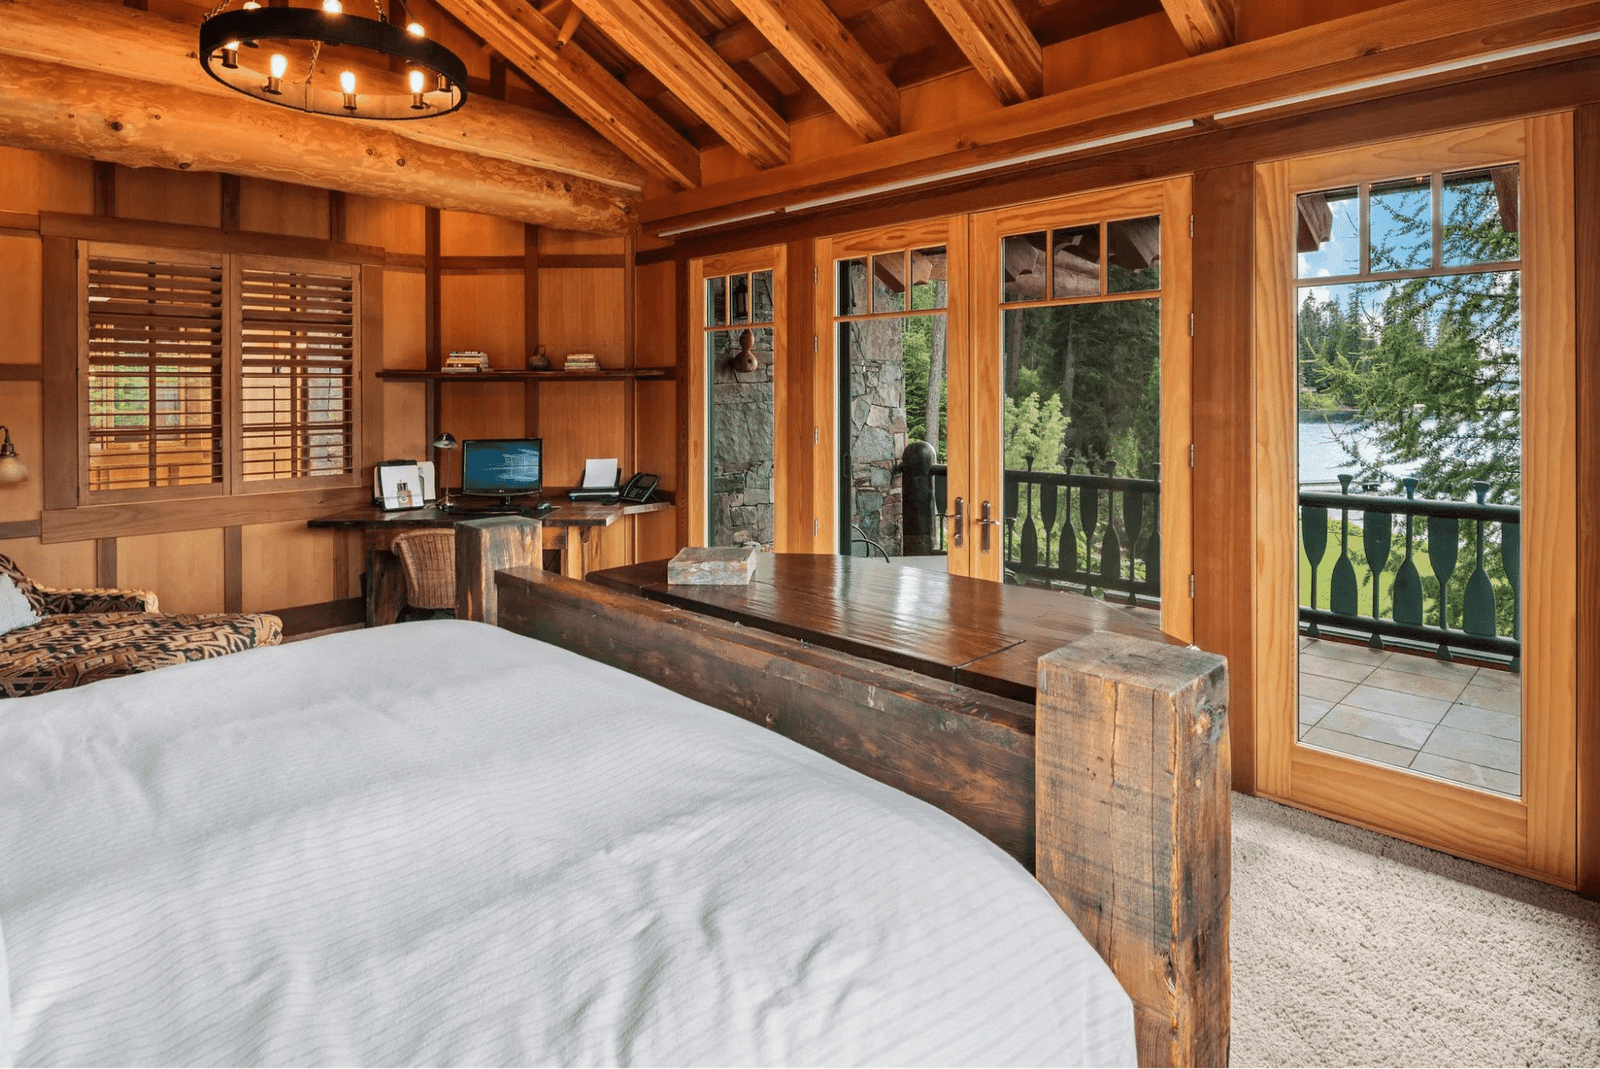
x,y
399,484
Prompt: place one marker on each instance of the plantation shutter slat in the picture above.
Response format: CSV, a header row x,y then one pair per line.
x,y
154,372
297,372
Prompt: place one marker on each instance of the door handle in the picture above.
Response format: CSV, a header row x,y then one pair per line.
x,y
959,516
986,522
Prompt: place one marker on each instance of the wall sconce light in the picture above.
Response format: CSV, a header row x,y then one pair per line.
x,y
443,441
12,470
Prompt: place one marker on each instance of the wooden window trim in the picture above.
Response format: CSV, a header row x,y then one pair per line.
x,y
66,515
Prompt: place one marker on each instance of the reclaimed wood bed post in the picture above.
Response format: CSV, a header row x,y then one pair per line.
x,y
1134,841
485,546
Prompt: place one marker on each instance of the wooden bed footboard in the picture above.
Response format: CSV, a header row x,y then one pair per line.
x,y
1114,791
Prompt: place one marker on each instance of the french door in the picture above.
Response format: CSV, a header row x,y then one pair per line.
x,y
1415,630
1077,474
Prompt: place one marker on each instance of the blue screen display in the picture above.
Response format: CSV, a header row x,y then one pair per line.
x,y
501,465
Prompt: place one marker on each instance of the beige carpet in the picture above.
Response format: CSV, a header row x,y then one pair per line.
x,y
1351,948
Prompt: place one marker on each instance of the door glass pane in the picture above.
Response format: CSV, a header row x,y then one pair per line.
x,y
1133,255
741,438
1328,233
854,296
1400,225
761,297
1023,272
1082,437
889,283
1480,211
893,423
1075,262
1409,498
716,301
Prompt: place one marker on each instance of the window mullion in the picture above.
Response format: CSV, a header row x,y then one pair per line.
x,y
232,393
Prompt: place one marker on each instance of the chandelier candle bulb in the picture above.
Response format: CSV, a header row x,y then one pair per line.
x,y
403,74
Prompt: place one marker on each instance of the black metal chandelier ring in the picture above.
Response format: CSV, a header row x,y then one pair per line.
x,y
433,84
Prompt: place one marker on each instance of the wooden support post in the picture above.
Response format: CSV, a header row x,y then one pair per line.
x,y
1133,826
485,546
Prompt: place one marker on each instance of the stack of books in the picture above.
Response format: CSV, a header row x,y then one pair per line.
x,y
581,362
466,360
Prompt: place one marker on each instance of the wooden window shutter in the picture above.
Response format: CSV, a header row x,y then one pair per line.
x,y
297,330
153,368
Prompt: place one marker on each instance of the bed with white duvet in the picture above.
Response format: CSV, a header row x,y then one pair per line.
x,y
442,843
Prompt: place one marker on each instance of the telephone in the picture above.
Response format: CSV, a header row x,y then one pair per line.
x,y
640,488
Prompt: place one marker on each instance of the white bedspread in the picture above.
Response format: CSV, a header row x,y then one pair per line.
x,y
441,843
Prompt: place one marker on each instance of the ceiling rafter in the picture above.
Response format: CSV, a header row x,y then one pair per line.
x,y
653,34
810,36
531,42
999,44
1203,25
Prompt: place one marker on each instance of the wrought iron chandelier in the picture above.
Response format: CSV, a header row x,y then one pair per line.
x,y
329,62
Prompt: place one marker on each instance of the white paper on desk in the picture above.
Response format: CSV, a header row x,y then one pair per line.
x,y
598,473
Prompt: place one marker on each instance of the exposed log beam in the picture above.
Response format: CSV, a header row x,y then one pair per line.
x,y
651,32
811,37
1310,69
54,108
532,43
1002,49
1202,25
128,43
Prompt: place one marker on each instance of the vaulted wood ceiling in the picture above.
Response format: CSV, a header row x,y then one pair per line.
x,y
583,109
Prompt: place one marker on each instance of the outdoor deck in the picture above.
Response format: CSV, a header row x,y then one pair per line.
x,y
1452,721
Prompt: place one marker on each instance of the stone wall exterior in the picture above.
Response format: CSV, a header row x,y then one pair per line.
x,y
877,434
741,444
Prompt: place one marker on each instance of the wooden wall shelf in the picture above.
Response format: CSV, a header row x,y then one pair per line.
x,y
605,373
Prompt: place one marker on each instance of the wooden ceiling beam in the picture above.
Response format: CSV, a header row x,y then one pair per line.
x,y
1202,25
50,107
654,35
125,42
811,37
994,37
1424,43
532,44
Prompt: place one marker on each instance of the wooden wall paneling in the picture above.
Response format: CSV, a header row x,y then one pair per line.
x,y
580,421
574,243
686,281
338,216
805,510
530,325
580,311
1586,198
163,196
66,565
405,306
1224,390
432,330
656,437
105,564
189,514
22,412
1549,505
472,234
370,393
231,197
1272,627
1254,22
484,313
288,564
400,228
233,569
184,568
280,208
23,305
45,181
58,467
105,188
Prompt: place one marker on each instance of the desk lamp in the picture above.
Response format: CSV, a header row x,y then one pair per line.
x,y
444,441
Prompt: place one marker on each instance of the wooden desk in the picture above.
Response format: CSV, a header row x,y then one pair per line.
x,y
570,530
983,634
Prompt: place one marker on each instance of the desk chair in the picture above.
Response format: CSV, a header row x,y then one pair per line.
x,y
428,558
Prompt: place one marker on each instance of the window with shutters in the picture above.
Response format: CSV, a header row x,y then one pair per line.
x,y
209,373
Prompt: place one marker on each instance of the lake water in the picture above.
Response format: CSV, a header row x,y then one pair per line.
x,y
1322,458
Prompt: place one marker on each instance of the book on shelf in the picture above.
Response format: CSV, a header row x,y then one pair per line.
x,y
466,360
581,362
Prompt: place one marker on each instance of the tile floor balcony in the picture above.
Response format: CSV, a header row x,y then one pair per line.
x,y
1451,721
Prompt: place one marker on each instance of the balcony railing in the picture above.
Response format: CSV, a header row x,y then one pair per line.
x,y
1101,533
